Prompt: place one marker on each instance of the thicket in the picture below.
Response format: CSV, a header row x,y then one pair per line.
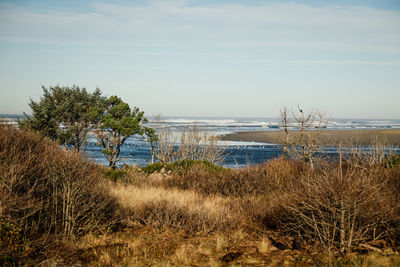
x,y
341,206
47,194
337,205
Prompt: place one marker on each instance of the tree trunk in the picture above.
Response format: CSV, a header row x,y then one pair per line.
x,y
77,144
112,158
152,152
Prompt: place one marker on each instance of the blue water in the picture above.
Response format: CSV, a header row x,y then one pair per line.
x,y
136,151
238,154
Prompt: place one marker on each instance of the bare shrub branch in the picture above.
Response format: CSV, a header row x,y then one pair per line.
x,y
343,205
48,191
192,145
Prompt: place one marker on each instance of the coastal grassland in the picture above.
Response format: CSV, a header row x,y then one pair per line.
x,y
191,213
168,222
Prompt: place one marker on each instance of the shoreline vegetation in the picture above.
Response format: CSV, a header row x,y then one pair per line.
x,y
57,208
328,137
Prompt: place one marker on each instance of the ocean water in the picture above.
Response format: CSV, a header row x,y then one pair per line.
x,y
238,154
136,151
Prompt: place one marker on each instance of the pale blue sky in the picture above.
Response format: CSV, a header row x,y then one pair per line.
x,y
207,58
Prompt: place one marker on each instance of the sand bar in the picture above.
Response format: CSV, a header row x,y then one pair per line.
x,y
327,137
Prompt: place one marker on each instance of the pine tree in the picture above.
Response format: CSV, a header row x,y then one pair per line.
x,y
117,123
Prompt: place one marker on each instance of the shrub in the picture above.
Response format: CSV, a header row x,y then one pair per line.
x,y
341,206
154,167
50,192
181,166
116,174
13,244
392,161
209,179
192,145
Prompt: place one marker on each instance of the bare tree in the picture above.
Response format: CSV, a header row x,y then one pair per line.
x,y
305,141
285,120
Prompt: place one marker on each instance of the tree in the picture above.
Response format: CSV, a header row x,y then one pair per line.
x,y
65,114
152,138
117,123
305,142
285,126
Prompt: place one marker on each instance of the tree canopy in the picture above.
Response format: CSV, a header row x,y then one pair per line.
x,y
117,123
65,114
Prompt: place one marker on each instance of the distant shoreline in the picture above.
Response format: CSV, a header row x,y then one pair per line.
x,y
328,137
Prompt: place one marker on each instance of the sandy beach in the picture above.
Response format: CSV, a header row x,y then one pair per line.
x,y
328,137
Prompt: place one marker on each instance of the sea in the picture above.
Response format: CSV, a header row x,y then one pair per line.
x,y
136,151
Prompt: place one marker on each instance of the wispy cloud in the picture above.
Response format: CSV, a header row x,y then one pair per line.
x,y
177,22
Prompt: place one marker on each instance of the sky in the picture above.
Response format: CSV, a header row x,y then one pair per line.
x,y
238,58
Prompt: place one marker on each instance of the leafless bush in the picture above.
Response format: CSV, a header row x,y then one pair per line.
x,y
49,192
192,145
342,206
376,154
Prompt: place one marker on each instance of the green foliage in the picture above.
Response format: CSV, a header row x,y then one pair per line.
x,y
65,114
151,135
182,166
155,167
116,174
392,161
117,123
13,245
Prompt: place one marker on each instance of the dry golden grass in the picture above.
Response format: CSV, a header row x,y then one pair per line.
x,y
148,246
162,207
202,216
